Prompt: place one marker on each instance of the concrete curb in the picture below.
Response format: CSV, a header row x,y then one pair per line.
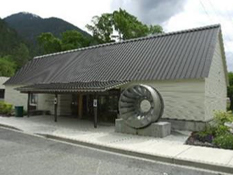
x,y
10,127
171,160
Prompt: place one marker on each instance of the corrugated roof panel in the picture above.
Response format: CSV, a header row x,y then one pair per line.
x,y
178,55
193,54
72,87
158,63
186,56
155,52
209,54
149,55
172,54
196,60
198,70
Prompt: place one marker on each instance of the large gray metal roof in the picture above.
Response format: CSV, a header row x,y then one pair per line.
x,y
178,55
72,87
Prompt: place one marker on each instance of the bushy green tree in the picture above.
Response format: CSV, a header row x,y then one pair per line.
x,y
121,22
73,39
128,26
49,43
230,76
7,67
230,88
21,55
102,28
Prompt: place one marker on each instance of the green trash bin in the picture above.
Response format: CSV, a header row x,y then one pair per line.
x,y
19,111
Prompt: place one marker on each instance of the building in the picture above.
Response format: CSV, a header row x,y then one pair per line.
x,y
2,87
187,67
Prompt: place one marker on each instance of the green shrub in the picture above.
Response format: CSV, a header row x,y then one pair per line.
x,y
206,135
5,108
209,130
221,130
224,141
217,133
221,117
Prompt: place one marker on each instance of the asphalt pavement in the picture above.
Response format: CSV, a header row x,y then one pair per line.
x,y
24,154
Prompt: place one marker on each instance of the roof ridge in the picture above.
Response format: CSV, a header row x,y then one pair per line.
x,y
132,40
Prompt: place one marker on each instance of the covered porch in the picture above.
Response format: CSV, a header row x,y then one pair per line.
x,y
93,101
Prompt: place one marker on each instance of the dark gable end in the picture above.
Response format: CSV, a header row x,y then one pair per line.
x,y
178,55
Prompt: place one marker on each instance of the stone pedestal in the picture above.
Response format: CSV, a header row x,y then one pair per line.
x,y
158,129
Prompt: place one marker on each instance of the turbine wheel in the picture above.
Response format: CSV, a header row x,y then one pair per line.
x,y
140,105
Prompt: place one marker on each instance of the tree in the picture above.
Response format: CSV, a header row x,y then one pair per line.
x,y
102,28
70,40
21,55
73,39
121,22
153,29
230,89
49,43
230,77
128,26
7,67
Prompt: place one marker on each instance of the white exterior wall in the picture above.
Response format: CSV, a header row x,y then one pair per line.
x,y
216,85
183,100
46,102
15,97
2,81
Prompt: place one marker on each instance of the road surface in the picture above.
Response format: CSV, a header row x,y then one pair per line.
x,y
23,154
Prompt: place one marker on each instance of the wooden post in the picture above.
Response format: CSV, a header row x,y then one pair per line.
x,y
28,105
80,106
95,106
55,107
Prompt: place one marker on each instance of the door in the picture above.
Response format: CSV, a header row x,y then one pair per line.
x,y
74,105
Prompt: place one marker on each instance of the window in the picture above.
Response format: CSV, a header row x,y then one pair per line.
x,y
33,100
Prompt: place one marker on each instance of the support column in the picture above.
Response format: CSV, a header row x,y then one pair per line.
x,y
95,106
55,107
80,106
28,105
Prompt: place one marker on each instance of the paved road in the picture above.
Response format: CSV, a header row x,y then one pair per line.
x,y
23,154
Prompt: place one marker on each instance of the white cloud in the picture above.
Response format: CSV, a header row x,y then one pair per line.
x,y
150,11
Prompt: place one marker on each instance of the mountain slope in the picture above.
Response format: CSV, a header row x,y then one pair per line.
x,y
30,26
9,39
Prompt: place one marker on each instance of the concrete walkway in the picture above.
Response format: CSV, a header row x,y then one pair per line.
x,y
170,149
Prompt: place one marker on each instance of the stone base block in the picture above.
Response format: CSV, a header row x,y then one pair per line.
x,y
187,125
159,129
120,126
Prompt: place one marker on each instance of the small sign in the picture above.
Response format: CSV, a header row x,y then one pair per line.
x,y
55,101
95,103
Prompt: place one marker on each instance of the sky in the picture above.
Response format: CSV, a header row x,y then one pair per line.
x,y
172,15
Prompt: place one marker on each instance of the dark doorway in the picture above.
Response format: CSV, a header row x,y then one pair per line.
x,y
2,93
107,105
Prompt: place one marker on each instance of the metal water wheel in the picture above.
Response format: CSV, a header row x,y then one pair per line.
x,y
140,105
